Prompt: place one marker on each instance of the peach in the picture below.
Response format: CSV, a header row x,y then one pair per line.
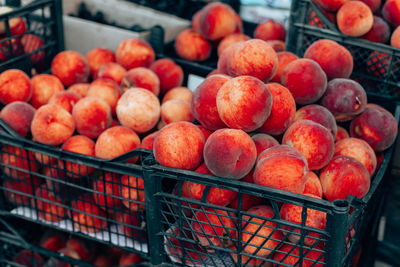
x,y
82,145
216,196
134,52
138,109
92,116
255,58
65,99
87,216
379,33
354,18
290,255
112,71
358,149
18,115
305,79
53,173
247,261
213,227
179,145
102,261
222,64
281,167
344,176
116,141
182,93
331,5
70,67
108,185
374,5
335,60
376,126
229,40
168,72
48,206
132,191
18,162
52,125
345,98
14,86
204,103
20,193
248,201
260,235
378,64
284,58
52,240
342,133
129,259
133,225
143,78
44,86
318,114
81,247
233,161
106,90
244,103
313,185
270,30
175,110
313,140
28,258
98,57
196,21
192,46
315,219
217,20
277,45
282,111
205,132
263,142
32,44
395,39
391,12
79,88
148,141
161,124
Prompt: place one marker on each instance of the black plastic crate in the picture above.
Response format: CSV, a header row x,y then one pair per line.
x,y
347,220
33,36
376,66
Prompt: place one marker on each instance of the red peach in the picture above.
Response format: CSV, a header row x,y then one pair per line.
x,y
391,12
143,78
376,126
313,185
116,141
354,18
79,88
217,20
231,39
175,110
52,125
378,64
98,57
192,46
134,52
132,192
331,5
305,79
335,60
344,176
179,145
24,191
148,141
255,58
318,114
205,132
106,90
282,111
102,261
270,30
230,161
196,21
133,225
44,86
48,206
65,99
169,73
263,142
247,261
28,258
129,259
70,67
108,185
395,39
244,103
379,33
315,20
341,134
290,255
204,103
58,188
81,247
92,116
16,25
213,227
281,167
32,44
345,98
182,93
248,201
52,240
87,216
284,58
18,162
138,109
14,86
112,71
222,64
277,45
374,5
18,115
358,149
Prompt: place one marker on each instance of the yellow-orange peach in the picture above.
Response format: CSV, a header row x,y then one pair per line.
x,y
134,52
176,110
79,88
354,18
70,67
44,86
192,46
106,90
97,57
143,78
182,93
112,71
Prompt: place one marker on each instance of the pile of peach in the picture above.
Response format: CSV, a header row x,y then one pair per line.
x,y
274,120
217,26
102,105
76,248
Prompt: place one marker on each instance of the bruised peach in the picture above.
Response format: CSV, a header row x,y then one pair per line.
x,y
318,114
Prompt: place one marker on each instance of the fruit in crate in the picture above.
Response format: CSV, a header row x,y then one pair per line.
x,y
49,206
231,39
53,240
82,215
313,185
175,110
263,142
31,44
18,115
354,18
284,58
65,99
270,30
18,162
129,259
112,71
79,88
132,192
81,247
15,85
182,93
44,86
192,46
20,193
106,90
134,52
28,258
143,78
318,114
169,73
289,254
98,57
70,67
